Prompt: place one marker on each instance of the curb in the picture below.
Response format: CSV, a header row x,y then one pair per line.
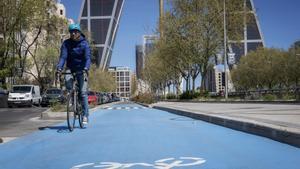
x,y
143,104
283,136
236,102
49,115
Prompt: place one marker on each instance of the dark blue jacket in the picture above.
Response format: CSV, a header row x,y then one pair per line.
x,y
76,53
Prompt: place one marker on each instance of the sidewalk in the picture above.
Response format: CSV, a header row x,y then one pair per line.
x,y
47,118
280,122
49,115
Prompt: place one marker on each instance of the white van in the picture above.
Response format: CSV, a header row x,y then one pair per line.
x,y
24,95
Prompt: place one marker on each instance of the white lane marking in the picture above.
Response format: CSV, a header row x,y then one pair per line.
x,y
167,163
126,108
115,165
39,119
82,165
7,139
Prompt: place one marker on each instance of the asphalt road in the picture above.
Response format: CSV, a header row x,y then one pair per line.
x,y
16,122
130,136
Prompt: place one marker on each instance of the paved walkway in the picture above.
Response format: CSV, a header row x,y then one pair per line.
x,y
280,122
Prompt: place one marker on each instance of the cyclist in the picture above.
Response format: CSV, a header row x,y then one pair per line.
x,y
76,51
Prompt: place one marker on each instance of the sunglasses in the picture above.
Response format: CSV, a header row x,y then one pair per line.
x,y
74,31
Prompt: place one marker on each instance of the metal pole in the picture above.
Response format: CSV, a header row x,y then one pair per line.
x,y
161,12
225,53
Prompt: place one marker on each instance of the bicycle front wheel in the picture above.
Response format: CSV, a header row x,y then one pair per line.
x,y
80,115
71,111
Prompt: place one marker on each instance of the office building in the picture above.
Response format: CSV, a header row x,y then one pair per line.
x,y
215,79
252,36
148,44
61,10
252,39
101,18
123,80
139,60
141,52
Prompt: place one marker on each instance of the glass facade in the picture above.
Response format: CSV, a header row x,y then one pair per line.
x,y
97,52
84,12
248,4
139,60
252,28
99,36
84,24
252,35
239,51
101,18
102,7
254,46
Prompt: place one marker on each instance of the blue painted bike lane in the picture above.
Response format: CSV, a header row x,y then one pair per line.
x,y
131,136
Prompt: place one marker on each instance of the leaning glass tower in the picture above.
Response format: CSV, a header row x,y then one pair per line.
x,y
101,18
252,38
252,35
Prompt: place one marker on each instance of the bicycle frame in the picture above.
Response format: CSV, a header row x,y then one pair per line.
x,y
74,103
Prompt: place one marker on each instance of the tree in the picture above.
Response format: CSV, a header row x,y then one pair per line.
x,y
263,68
22,24
159,72
101,80
193,33
41,64
133,86
294,64
173,47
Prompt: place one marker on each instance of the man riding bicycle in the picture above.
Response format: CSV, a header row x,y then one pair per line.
x,y
77,53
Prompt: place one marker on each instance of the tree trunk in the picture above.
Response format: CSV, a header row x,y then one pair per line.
x,y
194,79
174,88
203,86
187,85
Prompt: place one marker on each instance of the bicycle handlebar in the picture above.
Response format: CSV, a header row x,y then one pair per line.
x,y
68,73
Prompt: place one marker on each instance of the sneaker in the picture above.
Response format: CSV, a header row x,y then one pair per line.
x,y
85,120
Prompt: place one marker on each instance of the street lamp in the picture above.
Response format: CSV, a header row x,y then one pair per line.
x,y
225,52
161,13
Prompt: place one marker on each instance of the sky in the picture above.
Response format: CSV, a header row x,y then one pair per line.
x,y
279,21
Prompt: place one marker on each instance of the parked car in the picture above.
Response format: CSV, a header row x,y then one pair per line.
x,y
92,98
3,97
53,95
102,98
99,101
3,92
116,99
24,95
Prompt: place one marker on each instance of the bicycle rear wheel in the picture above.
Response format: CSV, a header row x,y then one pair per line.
x,y
71,110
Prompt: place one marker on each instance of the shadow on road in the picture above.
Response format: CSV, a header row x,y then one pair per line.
x,y
60,129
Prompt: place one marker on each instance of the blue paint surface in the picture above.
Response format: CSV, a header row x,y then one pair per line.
x,y
139,135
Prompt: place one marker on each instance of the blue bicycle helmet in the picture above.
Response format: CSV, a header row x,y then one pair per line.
x,y
74,26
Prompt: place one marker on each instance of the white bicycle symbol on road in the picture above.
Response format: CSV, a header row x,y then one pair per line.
x,y
167,163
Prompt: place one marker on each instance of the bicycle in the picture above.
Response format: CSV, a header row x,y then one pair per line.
x,y
74,105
